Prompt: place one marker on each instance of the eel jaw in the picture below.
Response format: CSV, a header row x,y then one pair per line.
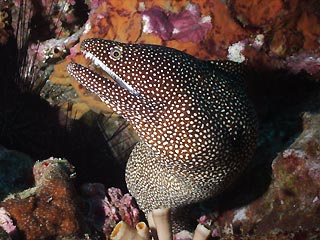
x,y
109,72
86,76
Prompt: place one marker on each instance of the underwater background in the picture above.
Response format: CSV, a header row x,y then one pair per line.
x,y
63,152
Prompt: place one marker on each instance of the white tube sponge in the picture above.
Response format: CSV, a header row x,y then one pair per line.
x,y
161,218
201,233
143,230
124,231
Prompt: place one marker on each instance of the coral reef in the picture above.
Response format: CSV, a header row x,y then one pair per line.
x,y
48,209
273,35
290,29
53,209
185,26
278,37
207,30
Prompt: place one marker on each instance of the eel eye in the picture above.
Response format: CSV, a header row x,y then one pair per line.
x,y
115,53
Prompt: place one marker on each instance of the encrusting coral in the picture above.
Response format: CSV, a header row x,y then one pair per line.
x,y
53,208
48,209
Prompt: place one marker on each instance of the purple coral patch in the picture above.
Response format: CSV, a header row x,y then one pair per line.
x,y
6,222
306,61
185,26
105,211
156,21
189,26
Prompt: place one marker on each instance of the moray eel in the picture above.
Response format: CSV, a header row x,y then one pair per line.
x,y
196,124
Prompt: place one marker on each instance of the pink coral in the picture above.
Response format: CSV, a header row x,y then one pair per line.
x,y
187,25
306,61
6,222
104,212
156,21
127,211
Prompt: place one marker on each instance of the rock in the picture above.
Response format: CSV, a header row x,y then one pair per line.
x,y
50,208
15,171
291,205
257,13
54,209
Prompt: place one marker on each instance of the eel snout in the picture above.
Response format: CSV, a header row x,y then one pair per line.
x,y
86,77
102,54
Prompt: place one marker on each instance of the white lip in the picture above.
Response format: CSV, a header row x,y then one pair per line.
x,y
114,76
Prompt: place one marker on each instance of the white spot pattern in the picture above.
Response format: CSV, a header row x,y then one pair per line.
x,y
196,125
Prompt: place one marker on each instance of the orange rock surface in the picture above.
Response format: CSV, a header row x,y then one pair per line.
x,y
309,26
256,12
225,29
86,101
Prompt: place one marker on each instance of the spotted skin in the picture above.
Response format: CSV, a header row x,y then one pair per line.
x,y
196,125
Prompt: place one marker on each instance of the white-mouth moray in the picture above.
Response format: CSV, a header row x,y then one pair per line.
x,y
196,124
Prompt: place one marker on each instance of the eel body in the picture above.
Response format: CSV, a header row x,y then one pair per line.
x,y
196,124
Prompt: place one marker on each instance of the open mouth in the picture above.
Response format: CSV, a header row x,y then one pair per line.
x,y
97,69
